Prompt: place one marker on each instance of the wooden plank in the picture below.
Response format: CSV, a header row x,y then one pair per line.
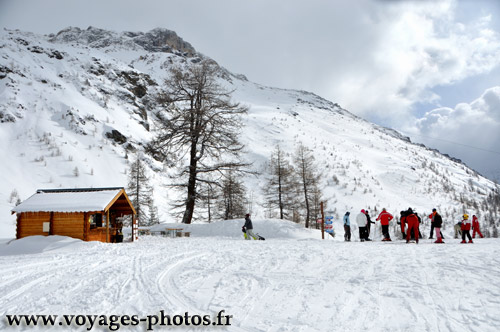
x,y
51,221
86,226
107,226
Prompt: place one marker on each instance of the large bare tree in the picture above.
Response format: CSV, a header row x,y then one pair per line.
x,y
198,128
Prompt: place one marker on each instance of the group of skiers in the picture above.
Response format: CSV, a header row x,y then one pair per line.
x,y
410,222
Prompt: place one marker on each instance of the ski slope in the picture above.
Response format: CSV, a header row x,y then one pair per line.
x,y
293,281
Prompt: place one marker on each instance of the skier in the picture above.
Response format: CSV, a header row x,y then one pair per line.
x,y
432,217
347,227
362,222
248,228
437,221
458,229
475,227
369,223
466,229
402,221
412,221
384,218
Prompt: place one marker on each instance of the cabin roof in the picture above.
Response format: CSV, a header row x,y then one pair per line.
x,y
70,200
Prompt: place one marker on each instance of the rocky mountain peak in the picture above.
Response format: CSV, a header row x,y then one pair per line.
x,y
156,40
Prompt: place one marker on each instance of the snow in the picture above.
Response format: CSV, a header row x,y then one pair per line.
x,y
67,201
293,281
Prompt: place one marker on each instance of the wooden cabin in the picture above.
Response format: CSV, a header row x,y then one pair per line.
x,y
81,213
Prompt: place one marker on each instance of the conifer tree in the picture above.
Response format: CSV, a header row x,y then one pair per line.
x,y
281,187
154,219
140,192
308,177
232,197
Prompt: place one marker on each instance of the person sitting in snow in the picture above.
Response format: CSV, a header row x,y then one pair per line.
x,y
347,227
466,224
248,228
475,227
384,217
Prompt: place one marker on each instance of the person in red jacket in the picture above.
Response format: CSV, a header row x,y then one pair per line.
x,y
475,227
466,229
384,217
412,221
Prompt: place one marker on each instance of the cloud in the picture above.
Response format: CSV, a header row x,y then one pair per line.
x,y
423,46
470,131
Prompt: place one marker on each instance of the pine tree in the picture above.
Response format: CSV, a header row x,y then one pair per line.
x,y
281,189
140,192
232,197
153,213
308,176
207,195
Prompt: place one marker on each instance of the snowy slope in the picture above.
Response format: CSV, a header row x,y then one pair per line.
x,y
63,95
282,284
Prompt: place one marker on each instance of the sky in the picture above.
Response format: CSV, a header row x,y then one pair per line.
x,y
430,69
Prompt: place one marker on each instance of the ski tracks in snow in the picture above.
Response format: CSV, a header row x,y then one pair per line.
x,y
280,285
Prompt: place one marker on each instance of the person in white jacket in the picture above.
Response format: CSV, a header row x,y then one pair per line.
x,y
361,220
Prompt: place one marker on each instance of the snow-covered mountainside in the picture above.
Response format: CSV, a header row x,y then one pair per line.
x,y
76,106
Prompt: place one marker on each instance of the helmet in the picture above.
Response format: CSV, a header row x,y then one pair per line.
x,y
434,210
466,216
247,215
384,209
363,211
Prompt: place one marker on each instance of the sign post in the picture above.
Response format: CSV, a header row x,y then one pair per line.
x,y
322,222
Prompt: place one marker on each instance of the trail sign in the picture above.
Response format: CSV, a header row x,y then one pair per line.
x,y
329,224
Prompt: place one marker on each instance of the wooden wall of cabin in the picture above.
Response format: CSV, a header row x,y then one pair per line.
x,y
69,224
31,223
66,224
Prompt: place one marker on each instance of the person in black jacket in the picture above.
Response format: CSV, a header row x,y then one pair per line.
x,y
248,228
437,222
368,224
431,217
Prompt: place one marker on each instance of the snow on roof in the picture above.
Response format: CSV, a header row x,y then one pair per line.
x,y
68,201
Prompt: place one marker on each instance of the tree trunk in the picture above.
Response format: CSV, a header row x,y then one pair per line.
x,y
191,187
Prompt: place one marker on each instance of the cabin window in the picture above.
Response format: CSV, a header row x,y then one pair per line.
x,y
46,227
95,220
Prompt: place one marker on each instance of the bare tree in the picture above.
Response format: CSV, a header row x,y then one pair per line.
x,y
197,128
281,188
308,176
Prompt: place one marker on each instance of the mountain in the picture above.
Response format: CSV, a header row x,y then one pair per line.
x,y
78,105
